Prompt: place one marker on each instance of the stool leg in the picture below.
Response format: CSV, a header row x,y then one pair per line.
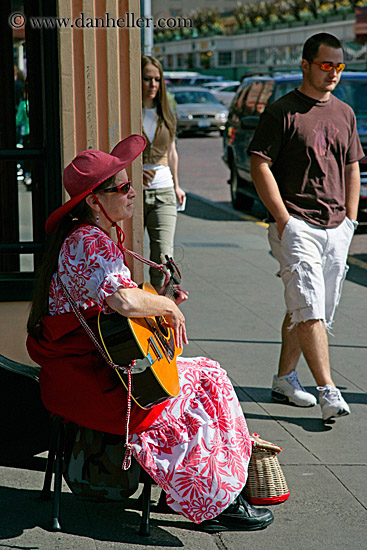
x,y
58,479
145,519
46,491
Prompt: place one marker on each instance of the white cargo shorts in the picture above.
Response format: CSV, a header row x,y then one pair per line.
x,y
312,267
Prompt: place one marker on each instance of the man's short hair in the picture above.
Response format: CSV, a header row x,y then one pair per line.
x,y
312,44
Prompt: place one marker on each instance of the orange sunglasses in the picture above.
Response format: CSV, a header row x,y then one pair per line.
x,y
327,66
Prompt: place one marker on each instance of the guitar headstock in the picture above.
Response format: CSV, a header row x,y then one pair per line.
x,y
173,270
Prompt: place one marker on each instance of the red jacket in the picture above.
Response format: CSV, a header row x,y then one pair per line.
x,y
77,383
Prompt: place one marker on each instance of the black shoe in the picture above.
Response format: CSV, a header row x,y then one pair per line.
x,y
239,516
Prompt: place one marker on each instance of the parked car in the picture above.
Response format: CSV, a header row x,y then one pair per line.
x,y
187,78
254,94
201,79
173,78
225,93
221,84
198,110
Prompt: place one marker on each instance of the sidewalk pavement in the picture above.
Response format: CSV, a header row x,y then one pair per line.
x,y
234,315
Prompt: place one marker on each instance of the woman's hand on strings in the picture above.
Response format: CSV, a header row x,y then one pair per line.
x,y
176,320
181,294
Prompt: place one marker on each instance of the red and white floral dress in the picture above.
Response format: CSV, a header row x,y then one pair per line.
x,y
198,448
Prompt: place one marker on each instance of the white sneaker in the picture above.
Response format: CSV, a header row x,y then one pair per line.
x,y
287,389
332,403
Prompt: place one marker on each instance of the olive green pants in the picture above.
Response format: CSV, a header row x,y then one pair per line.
x,y
160,215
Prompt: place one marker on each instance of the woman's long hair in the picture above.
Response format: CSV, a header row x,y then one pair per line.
x,y
81,213
161,101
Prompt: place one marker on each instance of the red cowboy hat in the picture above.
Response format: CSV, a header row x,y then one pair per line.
x,y
91,168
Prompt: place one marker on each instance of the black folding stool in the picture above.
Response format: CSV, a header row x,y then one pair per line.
x,y
55,462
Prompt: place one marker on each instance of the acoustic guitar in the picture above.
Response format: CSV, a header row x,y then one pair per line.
x,y
148,341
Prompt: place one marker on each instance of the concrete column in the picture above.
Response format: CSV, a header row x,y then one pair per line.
x,y
100,89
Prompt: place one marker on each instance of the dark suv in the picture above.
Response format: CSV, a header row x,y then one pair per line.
x,y
252,97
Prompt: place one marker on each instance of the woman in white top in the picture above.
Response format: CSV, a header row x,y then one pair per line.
x,y
162,192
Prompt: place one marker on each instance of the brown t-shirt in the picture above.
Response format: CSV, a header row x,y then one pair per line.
x,y
309,143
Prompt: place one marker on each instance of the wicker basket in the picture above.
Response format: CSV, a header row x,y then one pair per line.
x,y
266,483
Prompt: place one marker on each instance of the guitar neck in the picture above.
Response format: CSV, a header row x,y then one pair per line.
x,y
175,278
170,291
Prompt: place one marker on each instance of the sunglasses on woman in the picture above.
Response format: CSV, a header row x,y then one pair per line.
x,y
123,189
326,66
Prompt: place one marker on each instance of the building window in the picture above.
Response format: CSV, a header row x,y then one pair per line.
x,y
252,57
295,53
205,60
264,55
196,60
238,57
224,58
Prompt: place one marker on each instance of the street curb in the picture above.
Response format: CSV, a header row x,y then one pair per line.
x,y
227,210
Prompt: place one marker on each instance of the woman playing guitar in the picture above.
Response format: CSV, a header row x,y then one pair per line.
x,y
195,444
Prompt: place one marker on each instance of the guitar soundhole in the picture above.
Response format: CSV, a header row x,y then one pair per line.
x,y
162,328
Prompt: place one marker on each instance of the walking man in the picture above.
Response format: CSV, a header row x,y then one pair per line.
x,y
304,164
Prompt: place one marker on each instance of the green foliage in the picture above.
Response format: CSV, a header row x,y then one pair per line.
x,y
208,21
